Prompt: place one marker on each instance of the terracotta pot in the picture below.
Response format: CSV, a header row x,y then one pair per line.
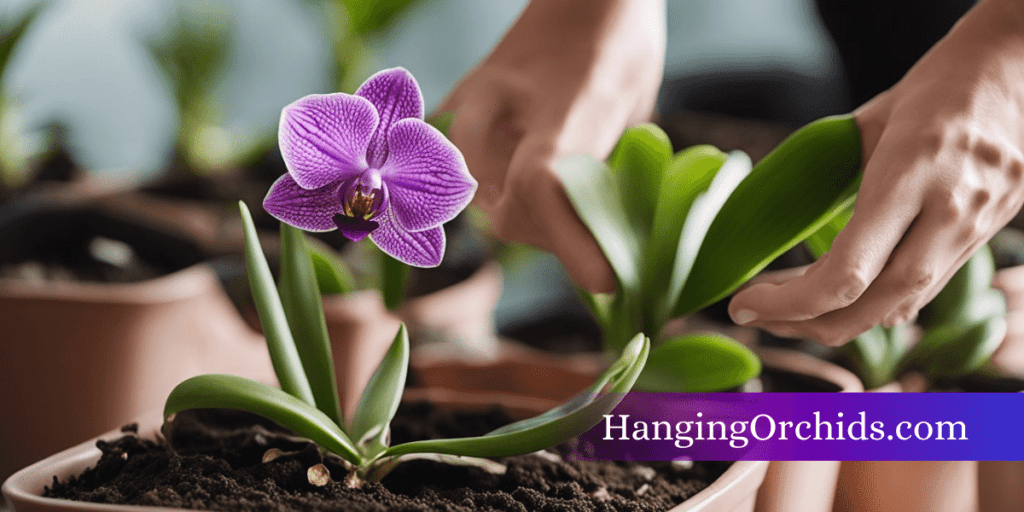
x,y
907,486
513,368
1000,483
1000,486
82,358
734,491
807,486
361,330
458,318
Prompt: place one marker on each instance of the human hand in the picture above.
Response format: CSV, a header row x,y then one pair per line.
x,y
943,171
567,78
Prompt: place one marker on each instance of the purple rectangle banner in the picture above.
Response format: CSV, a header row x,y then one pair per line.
x,y
809,426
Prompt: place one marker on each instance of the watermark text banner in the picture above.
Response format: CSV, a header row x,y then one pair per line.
x,y
809,426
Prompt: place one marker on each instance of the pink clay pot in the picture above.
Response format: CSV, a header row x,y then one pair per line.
x,y
78,359
907,486
459,317
734,491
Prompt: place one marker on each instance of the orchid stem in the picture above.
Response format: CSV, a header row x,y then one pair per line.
x,y
394,275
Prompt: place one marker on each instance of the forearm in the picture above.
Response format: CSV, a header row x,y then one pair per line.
x,y
983,67
546,30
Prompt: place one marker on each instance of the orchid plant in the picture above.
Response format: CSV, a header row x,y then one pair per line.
x,y
307,402
368,165
682,231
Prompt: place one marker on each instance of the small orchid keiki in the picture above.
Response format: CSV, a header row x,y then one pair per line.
x,y
369,165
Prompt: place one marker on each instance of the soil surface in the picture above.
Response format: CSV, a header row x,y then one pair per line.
x,y
214,461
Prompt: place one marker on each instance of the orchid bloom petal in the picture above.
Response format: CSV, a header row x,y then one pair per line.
x,y
323,137
396,96
354,228
416,248
308,209
426,175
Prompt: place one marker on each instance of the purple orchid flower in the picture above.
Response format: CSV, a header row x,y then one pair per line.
x,y
367,164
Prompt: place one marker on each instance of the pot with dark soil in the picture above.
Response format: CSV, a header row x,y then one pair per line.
x,y
307,405
103,315
213,460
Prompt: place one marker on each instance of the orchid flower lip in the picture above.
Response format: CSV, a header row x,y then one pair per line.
x,y
368,165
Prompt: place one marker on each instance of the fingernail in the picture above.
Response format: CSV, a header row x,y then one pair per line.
x,y
744,316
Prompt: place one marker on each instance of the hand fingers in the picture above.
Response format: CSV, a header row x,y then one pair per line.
x,y
919,268
565,235
776,276
839,278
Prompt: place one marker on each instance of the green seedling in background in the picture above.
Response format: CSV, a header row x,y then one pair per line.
x,y
293,321
19,148
351,24
192,55
684,230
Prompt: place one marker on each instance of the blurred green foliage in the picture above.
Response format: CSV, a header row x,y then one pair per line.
x,y
18,147
192,55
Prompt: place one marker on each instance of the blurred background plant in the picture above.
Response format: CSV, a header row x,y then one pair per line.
x,y
351,24
20,146
192,54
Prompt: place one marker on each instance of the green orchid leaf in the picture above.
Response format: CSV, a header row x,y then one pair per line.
x,y
283,354
394,274
821,241
878,353
304,309
595,194
687,175
955,350
810,178
599,304
639,162
958,302
11,34
699,363
553,427
380,399
231,392
332,276
702,213
622,364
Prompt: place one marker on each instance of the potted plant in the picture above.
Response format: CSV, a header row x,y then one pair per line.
x,y
104,315
358,446
365,198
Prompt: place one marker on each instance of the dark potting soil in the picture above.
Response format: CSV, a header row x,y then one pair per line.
x,y
46,242
216,464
